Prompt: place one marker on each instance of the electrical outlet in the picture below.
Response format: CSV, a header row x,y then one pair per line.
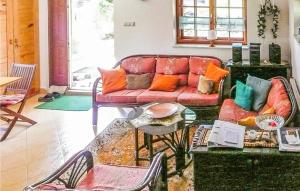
x,y
129,24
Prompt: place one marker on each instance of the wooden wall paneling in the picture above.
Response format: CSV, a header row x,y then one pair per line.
x,y
3,38
58,42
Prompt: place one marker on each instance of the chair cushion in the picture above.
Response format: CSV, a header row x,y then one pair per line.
x,y
233,113
109,178
166,83
191,97
139,65
113,80
159,96
172,66
198,65
6,100
261,90
279,99
123,96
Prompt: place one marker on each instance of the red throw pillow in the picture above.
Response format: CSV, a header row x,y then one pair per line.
x,y
166,83
113,80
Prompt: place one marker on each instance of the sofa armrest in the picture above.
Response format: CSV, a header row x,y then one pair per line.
x,y
232,91
156,177
70,173
96,88
221,91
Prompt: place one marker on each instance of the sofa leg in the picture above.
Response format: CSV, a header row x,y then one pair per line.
x,y
95,116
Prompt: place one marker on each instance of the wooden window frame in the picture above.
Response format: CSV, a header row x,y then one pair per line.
x,y
197,40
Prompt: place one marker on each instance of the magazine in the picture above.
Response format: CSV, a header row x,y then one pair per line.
x,y
288,139
226,134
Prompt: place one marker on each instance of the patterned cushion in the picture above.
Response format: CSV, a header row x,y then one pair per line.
x,y
191,97
6,100
278,98
159,96
109,178
232,112
172,66
139,65
193,80
51,187
183,79
198,65
123,96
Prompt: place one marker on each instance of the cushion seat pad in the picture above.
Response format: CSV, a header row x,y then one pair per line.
x,y
109,178
230,111
159,96
191,97
123,96
7,100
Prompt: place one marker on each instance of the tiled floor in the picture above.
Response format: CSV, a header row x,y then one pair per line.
x,y
30,153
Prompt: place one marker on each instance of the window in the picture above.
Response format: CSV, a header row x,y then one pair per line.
x,y
196,17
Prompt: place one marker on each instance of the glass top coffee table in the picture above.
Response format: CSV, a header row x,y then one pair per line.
x,y
170,133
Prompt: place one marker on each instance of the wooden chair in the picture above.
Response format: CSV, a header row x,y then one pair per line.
x,y
14,94
79,173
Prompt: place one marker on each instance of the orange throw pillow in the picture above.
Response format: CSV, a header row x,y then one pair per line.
x,y
113,80
215,74
166,83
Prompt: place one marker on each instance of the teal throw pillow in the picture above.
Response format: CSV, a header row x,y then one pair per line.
x,y
261,89
243,96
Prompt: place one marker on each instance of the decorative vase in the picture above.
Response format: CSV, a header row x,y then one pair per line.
x,y
237,52
255,53
274,53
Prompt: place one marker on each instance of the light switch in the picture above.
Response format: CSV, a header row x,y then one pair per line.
x,y
129,24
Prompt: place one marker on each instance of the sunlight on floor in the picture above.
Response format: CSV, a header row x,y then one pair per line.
x,y
30,153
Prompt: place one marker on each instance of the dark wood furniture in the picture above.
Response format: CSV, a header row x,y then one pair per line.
x,y
174,137
22,89
247,169
239,71
211,109
77,168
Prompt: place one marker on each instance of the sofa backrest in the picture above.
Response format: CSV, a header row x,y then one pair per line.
x,y
278,98
188,68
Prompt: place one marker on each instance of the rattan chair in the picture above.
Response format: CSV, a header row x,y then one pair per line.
x,y
16,93
79,173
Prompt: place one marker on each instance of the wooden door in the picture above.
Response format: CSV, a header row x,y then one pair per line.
x,y
23,33
58,32
3,38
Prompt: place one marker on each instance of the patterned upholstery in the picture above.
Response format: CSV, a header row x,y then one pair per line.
x,y
198,66
123,96
172,66
191,97
139,65
232,112
279,99
51,187
6,100
109,178
159,96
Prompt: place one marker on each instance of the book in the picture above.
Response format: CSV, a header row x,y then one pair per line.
x,y
226,134
288,139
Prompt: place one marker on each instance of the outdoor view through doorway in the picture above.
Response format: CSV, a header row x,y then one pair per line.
x,y
91,40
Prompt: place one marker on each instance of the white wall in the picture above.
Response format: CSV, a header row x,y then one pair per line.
x,y
154,30
294,17
44,50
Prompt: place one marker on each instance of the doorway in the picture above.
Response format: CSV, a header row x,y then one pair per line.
x,y
91,41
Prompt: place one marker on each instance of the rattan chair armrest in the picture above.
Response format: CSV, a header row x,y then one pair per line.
x,y
70,173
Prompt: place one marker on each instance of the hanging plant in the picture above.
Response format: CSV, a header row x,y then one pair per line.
x,y
268,9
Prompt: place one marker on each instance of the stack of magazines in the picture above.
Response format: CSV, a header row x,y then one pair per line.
x,y
226,134
288,139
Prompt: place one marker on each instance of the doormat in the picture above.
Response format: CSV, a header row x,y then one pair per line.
x,y
68,103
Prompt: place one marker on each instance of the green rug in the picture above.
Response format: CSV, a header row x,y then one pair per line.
x,y
69,103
